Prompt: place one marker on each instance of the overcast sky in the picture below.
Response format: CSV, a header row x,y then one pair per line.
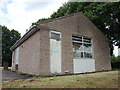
x,y
20,14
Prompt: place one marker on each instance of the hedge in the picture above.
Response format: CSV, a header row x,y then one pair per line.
x,y
115,62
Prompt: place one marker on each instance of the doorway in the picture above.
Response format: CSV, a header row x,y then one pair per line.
x,y
55,52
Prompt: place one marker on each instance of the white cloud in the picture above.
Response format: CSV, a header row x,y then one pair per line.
x,y
20,14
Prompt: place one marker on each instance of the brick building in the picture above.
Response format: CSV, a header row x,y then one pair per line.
x,y
69,44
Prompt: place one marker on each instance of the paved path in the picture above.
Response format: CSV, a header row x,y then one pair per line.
x,y
8,75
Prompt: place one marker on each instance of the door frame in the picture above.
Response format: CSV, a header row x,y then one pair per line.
x,y
16,53
57,32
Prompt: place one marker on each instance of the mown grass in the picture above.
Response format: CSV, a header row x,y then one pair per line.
x,y
93,80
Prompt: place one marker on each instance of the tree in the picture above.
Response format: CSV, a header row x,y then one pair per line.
x,y
40,21
8,39
106,16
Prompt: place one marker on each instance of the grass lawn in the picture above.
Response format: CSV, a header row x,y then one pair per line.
x,y
93,80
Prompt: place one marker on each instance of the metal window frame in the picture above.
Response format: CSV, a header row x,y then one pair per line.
x,y
82,42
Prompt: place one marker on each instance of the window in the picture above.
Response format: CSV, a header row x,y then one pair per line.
x,y
82,47
55,36
87,50
77,50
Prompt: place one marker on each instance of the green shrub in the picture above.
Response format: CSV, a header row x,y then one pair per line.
x,y
115,62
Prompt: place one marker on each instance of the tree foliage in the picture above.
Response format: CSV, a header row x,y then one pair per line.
x,y
40,21
105,15
9,37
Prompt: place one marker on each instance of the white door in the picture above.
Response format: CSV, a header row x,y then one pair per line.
x,y
17,55
55,52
